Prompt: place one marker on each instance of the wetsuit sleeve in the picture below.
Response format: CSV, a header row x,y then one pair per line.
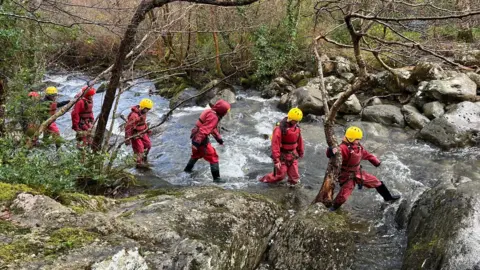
x,y
343,150
300,145
370,157
62,103
276,142
217,135
132,121
211,121
76,115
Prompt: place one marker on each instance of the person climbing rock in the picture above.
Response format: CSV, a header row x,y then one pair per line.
x,y
136,123
207,124
82,117
287,148
351,172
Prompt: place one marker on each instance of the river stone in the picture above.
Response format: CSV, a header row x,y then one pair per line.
x,y
299,76
333,85
307,98
183,95
342,65
349,77
458,127
386,83
277,87
124,260
442,230
427,71
433,109
351,106
413,117
468,58
476,78
457,88
313,239
226,94
388,115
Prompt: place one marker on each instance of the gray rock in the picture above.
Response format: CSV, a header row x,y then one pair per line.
x,y
376,101
342,65
183,95
427,71
433,109
277,87
327,65
457,88
468,58
123,260
307,98
387,83
349,77
458,127
313,239
413,117
351,106
301,75
441,230
333,85
476,78
389,115
226,94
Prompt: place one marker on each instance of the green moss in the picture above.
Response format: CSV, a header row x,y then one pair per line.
x,y
164,191
17,250
80,202
68,238
6,227
8,192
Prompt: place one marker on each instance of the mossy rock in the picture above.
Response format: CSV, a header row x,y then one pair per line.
x,y
8,192
80,202
68,238
8,228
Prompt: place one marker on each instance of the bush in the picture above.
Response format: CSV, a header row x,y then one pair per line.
x,y
52,172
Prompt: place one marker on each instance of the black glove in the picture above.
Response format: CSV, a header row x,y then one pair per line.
x,y
378,165
220,141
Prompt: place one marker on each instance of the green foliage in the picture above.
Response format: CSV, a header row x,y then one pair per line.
x,y
276,47
342,35
52,172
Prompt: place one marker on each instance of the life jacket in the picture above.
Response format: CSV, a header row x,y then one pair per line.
x,y
352,164
87,114
290,136
141,124
200,122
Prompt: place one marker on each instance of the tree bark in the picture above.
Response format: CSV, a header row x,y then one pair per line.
x,y
2,108
126,44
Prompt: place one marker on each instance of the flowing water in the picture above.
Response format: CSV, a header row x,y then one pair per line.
x,y
408,166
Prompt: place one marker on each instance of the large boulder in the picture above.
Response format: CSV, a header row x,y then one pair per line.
x,y
277,87
433,109
193,228
442,230
476,78
427,71
453,89
458,127
386,82
187,93
351,106
333,85
342,65
226,94
308,99
413,117
313,239
388,115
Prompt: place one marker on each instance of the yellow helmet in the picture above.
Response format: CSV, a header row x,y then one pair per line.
x,y
146,104
353,133
51,90
295,114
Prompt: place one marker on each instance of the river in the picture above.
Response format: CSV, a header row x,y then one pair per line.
x,y
408,166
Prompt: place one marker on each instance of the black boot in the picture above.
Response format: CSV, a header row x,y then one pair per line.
x,y
145,156
383,190
334,207
215,169
190,164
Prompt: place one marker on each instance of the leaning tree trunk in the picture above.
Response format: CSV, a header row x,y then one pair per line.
x,y
2,108
126,44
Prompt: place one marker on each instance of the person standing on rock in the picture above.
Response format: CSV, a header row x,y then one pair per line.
x,y
137,123
287,148
351,172
82,117
207,124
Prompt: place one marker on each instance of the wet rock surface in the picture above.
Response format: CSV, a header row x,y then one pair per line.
x,y
388,115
